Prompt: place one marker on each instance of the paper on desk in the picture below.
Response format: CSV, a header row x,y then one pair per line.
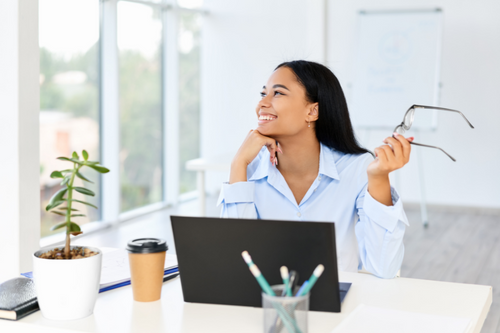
x,y
116,269
373,319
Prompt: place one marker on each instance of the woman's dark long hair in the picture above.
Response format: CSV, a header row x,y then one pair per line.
x,y
333,127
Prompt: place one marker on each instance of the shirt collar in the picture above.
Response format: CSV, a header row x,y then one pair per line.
x,y
327,165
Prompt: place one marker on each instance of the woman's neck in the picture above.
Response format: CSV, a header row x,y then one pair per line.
x,y
300,155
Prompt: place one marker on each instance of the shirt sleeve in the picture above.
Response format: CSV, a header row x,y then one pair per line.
x,y
237,200
380,230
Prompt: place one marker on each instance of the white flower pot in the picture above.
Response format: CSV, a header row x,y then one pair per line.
x,y
67,289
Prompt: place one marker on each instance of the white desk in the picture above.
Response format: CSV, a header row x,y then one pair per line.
x,y
115,310
201,165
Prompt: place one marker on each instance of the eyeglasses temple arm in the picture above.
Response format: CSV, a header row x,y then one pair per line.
x,y
419,144
443,109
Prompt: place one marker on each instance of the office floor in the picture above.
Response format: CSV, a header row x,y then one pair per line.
x,y
460,245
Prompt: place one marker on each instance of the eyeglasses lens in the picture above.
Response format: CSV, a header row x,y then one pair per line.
x,y
400,130
409,118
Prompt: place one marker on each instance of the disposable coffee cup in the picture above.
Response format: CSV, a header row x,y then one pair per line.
x,y
147,264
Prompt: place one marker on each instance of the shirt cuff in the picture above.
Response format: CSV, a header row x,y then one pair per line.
x,y
237,192
385,216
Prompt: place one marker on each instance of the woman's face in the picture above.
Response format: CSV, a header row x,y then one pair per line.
x,y
284,109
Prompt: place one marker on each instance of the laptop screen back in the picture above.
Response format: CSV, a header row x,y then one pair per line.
x,y
213,271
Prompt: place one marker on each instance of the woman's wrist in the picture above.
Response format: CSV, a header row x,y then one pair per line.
x,y
238,172
379,187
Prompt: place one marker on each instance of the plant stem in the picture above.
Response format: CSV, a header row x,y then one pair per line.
x,y
68,211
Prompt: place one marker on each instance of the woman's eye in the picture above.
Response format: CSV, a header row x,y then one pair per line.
x,y
277,92
262,94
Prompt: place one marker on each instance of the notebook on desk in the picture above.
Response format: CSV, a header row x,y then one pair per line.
x,y
212,270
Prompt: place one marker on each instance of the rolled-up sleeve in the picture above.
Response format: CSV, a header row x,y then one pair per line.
x,y
237,200
380,231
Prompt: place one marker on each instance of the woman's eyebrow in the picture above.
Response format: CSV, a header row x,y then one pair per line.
x,y
278,86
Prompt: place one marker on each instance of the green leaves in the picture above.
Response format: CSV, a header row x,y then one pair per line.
x,y
56,199
56,174
99,168
79,175
84,190
65,181
58,226
83,202
58,213
68,177
74,229
66,208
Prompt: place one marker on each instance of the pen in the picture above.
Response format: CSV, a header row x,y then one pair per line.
x,y
268,290
247,258
304,285
170,277
292,282
294,279
261,280
312,280
286,281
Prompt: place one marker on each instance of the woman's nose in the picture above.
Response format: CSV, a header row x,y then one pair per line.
x,y
265,102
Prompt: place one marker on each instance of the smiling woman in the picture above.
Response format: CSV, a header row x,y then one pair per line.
x,y
323,174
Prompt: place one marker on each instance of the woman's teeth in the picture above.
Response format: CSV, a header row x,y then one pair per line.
x,y
267,118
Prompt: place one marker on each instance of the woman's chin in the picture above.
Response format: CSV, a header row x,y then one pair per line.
x,y
264,130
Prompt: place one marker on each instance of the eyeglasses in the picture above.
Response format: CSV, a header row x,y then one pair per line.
x,y
408,121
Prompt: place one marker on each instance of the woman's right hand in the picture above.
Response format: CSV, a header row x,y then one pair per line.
x,y
249,149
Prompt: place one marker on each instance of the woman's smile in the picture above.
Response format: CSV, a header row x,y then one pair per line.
x,y
266,117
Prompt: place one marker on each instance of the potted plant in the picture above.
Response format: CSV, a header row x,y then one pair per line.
x,y
67,280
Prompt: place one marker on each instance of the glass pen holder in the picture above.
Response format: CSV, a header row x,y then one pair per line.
x,y
285,314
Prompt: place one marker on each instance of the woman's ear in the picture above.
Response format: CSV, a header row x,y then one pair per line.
x,y
313,112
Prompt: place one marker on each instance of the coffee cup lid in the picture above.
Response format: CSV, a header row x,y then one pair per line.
x,y
147,245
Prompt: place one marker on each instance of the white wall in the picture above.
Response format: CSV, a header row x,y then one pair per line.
x,y
244,40
470,75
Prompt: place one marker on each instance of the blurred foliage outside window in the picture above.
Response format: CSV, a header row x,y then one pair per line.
x,y
140,102
69,97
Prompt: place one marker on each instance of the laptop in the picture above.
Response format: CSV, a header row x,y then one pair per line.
x,y
213,271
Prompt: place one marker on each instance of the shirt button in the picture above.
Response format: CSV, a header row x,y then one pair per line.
x,y
315,190
319,178
298,214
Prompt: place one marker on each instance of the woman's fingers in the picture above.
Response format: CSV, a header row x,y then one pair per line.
x,y
381,155
397,149
389,153
405,144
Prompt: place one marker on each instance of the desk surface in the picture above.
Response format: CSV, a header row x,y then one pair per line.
x,y
115,310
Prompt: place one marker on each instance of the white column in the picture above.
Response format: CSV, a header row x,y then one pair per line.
x,y
170,107
19,136
110,113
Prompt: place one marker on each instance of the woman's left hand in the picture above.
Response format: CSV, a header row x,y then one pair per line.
x,y
391,156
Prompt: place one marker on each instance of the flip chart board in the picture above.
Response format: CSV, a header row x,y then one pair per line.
x,y
396,65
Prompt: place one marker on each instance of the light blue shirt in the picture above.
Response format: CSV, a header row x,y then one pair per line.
x,y
368,233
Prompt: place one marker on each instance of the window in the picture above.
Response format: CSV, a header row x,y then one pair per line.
x,y
69,97
189,99
140,103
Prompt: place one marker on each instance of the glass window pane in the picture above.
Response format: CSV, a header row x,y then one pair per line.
x,y
69,98
139,45
189,99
